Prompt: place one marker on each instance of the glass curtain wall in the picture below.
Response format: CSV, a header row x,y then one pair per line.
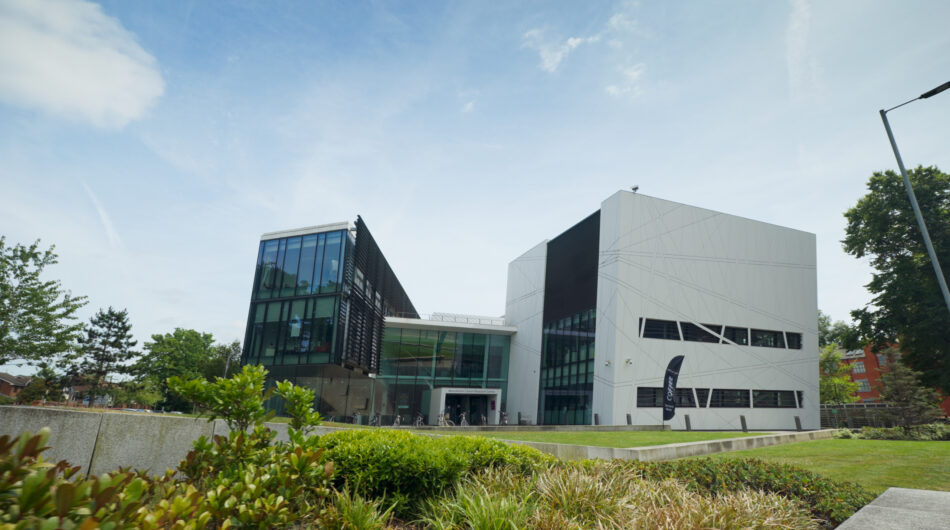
x,y
414,362
295,300
567,370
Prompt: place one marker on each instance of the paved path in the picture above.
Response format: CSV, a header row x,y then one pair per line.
x,y
902,508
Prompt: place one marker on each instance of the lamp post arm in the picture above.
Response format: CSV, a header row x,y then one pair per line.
x,y
920,218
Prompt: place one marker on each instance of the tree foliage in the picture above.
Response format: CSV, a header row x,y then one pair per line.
x,y
833,332
106,349
907,307
223,355
36,315
46,385
239,400
911,403
834,379
183,353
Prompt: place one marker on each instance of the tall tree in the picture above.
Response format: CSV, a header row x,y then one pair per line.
x,y
910,403
184,353
106,349
36,315
225,361
834,378
907,307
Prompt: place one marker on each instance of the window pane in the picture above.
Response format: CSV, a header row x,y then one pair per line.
x,y
782,399
649,396
307,257
660,329
694,333
702,394
446,354
768,338
737,335
268,269
317,264
794,340
323,307
729,398
291,262
329,283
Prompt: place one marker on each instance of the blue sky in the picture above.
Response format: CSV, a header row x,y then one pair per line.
x,y
153,143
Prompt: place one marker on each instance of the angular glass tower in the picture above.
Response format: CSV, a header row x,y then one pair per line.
x,y
319,297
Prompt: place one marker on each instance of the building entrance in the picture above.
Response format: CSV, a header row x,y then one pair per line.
x,y
475,408
482,406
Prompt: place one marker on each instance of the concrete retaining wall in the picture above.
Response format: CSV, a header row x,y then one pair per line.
x,y
673,451
100,442
103,441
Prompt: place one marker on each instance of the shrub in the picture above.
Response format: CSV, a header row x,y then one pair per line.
x,y
6,400
930,432
407,468
599,496
351,511
238,400
829,500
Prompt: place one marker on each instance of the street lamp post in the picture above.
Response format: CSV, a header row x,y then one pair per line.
x,y
913,198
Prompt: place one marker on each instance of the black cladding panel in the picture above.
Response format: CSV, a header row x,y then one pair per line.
x,y
570,279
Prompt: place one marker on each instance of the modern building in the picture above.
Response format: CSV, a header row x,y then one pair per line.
x,y
593,317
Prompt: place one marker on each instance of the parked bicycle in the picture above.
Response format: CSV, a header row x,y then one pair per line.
x,y
419,420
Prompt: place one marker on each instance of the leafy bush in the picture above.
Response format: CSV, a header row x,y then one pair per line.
x,y
239,400
829,500
407,468
6,400
930,432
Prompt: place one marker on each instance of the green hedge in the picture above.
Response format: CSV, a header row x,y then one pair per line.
x,y
829,500
931,432
406,468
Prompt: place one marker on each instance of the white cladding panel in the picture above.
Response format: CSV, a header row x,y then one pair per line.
x,y
664,260
524,308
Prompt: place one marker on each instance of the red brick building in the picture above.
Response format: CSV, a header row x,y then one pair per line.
x,y
866,370
11,385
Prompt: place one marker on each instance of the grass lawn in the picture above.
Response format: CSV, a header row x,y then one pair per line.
x,y
875,464
613,438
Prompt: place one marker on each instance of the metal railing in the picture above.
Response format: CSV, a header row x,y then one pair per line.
x,y
458,318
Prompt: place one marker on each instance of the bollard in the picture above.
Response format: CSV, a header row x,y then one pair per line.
x,y
519,417
629,419
689,426
745,428
596,419
798,424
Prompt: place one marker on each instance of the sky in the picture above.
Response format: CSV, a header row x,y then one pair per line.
x,y
154,142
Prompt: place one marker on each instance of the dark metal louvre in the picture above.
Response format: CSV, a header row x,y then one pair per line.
x,y
364,318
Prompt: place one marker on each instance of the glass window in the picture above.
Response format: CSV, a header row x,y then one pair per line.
x,y
684,397
857,367
794,340
694,333
268,269
295,325
291,262
660,329
649,396
729,398
445,356
498,357
279,268
329,282
702,394
768,338
780,399
308,256
881,361
737,335
801,399
863,385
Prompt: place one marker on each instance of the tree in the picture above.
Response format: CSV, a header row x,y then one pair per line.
x,y
143,393
106,349
223,355
35,315
910,403
183,353
834,379
46,385
907,307
829,332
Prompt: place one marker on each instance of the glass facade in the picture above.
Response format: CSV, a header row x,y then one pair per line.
x,y
295,300
414,362
567,370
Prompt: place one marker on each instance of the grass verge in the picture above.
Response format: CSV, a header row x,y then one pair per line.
x,y
613,438
874,464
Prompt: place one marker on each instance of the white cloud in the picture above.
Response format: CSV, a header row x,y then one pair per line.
x,y
468,107
111,234
802,75
552,53
629,77
68,58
